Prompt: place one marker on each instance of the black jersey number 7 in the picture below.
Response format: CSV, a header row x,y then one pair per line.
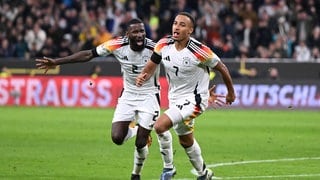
x,y
177,70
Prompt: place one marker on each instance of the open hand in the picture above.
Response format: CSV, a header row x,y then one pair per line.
x,y
140,79
45,63
216,100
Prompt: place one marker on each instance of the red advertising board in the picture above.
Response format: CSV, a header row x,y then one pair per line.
x,y
73,91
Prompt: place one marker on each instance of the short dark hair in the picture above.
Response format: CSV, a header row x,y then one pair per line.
x,y
189,16
133,21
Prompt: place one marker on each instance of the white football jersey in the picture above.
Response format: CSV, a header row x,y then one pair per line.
x,y
132,62
187,70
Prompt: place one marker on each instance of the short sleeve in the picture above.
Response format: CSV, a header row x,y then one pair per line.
x,y
212,60
103,50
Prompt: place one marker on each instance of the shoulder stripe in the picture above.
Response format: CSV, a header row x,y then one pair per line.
x,y
201,51
150,44
116,43
163,42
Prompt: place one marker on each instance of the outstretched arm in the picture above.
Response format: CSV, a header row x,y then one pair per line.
x,y
230,97
146,73
81,56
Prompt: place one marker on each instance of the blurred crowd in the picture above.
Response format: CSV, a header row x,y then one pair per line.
x,y
232,28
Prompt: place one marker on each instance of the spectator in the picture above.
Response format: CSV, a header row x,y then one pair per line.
x,y
273,73
302,52
315,54
283,26
72,18
5,72
154,22
36,36
314,38
267,7
248,13
101,17
110,8
56,33
219,22
248,36
149,32
96,71
21,49
291,41
87,36
228,27
264,34
33,52
28,22
8,11
102,36
164,29
263,52
304,25
49,49
180,5
6,49
229,47
64,47
278,50
131,8
314,10
117,21
281,9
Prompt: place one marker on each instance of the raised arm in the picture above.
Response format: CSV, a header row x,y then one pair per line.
x,y
81,56
230,97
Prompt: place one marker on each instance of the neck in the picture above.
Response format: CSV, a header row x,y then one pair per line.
x,y
136,48
181,44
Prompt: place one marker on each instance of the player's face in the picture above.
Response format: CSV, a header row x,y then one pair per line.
x,y
181,28
136,34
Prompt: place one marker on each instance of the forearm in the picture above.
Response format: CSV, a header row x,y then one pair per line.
x,y
149,69
81,56
225,76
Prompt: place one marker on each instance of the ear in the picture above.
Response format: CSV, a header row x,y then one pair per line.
x,y
191,31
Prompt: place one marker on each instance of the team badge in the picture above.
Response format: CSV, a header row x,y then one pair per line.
x,y
186,61
145,58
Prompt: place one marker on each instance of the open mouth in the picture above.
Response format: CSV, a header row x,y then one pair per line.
x,y
139,42
175,34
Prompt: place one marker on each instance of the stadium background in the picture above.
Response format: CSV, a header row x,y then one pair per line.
x,y
271,48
